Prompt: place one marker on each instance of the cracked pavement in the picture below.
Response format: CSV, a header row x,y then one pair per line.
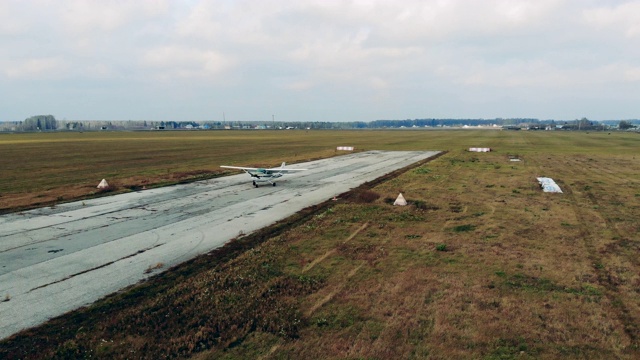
x,y
56,259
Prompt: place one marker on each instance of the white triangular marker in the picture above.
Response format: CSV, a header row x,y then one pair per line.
x,y
103,184
400,201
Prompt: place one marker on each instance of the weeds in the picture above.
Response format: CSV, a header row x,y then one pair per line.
x,y
361,196
463,228
154,267
416,300
422,170
423,205
508,349
108,189
536,284
405,216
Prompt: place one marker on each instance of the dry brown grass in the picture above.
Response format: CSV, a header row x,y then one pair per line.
x,y
47,168
525,274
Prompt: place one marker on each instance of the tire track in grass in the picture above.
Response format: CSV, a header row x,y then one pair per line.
x,y
602,167
620,309
270,352
330,296
611,292
333,251
605,276
334,291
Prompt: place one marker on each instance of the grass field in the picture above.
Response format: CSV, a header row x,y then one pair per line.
x,y
46,168
480,265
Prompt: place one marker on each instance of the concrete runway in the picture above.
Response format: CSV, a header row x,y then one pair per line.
x,y
54,260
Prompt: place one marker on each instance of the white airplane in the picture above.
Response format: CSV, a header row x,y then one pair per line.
x,y
264,175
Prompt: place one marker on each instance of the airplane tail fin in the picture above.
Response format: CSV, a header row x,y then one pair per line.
x,y
282,166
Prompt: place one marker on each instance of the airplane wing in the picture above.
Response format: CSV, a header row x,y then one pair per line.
x,y
281,169
239,168
264,175
284,170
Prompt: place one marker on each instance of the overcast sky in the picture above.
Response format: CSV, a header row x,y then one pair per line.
x,y
306,60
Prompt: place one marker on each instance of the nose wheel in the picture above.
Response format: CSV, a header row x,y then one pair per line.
x,y
256,184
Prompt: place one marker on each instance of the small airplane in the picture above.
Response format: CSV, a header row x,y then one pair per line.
x,y
264,175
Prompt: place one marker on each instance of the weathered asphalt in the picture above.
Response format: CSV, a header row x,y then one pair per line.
x,y
57,259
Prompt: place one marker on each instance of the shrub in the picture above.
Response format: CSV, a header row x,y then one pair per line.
x,y
153,267
107,189
423,205
441,247
389,200
364,196
420,204
463,228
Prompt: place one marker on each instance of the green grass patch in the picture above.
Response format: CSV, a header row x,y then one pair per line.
x,y
422,170
406,286
463,228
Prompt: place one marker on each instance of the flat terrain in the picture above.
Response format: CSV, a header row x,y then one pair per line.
x,y
54,260
480,264
45,169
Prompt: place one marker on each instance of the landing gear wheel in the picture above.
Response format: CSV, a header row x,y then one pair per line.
x,y
255,184
274,184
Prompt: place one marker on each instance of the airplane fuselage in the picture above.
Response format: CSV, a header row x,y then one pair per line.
x,y
261,175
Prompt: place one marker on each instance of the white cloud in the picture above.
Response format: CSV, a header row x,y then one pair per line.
x,y
298,85
88,26
11,25
38,68
260,53
82,16
632,74
623,18
170,61
98,71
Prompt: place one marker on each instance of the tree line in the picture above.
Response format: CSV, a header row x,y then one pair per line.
x,y
49,123
39,123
